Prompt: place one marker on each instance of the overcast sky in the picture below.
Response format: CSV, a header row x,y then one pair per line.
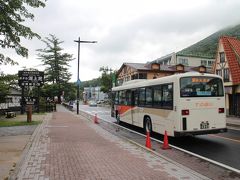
x,y
126,30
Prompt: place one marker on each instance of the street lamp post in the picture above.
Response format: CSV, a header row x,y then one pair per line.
x,y
78,80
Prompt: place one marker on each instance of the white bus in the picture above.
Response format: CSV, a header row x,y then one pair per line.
x,y
182,104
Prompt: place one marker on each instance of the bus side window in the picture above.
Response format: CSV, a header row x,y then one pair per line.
x,y
149,96
135,98
167,98
141,96
116,97
128,97
157,96
122,97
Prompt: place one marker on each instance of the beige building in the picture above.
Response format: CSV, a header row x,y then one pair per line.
x,y
186,60
227,65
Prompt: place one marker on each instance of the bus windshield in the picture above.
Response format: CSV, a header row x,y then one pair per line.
x,y
201,87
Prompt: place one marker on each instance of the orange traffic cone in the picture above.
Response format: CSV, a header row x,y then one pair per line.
x,y
148,140
96,119
165,142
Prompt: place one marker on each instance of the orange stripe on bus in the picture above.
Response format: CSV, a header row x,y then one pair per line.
x,y
123,109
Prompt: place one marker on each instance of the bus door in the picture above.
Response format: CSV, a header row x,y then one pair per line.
x,y
135,109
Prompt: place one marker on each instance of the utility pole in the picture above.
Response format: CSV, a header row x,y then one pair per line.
x,y
78,80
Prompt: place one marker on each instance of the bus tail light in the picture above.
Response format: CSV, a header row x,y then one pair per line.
x,y
185,112
220,110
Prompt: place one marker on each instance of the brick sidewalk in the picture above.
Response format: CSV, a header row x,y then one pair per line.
x,y
66,146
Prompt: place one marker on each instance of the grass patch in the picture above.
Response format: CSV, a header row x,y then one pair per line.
x,y
5,123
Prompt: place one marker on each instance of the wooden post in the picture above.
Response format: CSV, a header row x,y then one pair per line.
x,y
29,113
22,101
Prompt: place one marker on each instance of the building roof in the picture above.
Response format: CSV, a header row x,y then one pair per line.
x,y
137,66
231,47
147,67
163,58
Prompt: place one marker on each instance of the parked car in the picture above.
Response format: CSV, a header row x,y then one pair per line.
x,y
92,103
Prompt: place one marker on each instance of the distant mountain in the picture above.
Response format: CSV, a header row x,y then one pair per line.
x,y
208,46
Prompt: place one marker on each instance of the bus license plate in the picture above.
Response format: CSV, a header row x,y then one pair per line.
x,y
204,125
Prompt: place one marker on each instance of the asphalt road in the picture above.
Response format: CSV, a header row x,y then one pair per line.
x,y
223,148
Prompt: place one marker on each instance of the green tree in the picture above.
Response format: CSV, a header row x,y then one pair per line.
x,y
51,90
70,91
6,81
3,92
106,79
56,63
12,14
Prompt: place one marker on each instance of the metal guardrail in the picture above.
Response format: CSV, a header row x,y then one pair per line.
x,y
69,107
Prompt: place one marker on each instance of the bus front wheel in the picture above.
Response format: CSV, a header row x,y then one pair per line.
x,y
147,125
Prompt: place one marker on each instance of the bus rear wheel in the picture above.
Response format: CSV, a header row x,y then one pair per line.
x,y
147,125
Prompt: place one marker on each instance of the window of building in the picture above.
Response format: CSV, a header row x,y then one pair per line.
x,y
210,63
203,62
134,76
183,61
219,72
165,62
142,75
222,57
226,75
127,78
8,100
125,70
